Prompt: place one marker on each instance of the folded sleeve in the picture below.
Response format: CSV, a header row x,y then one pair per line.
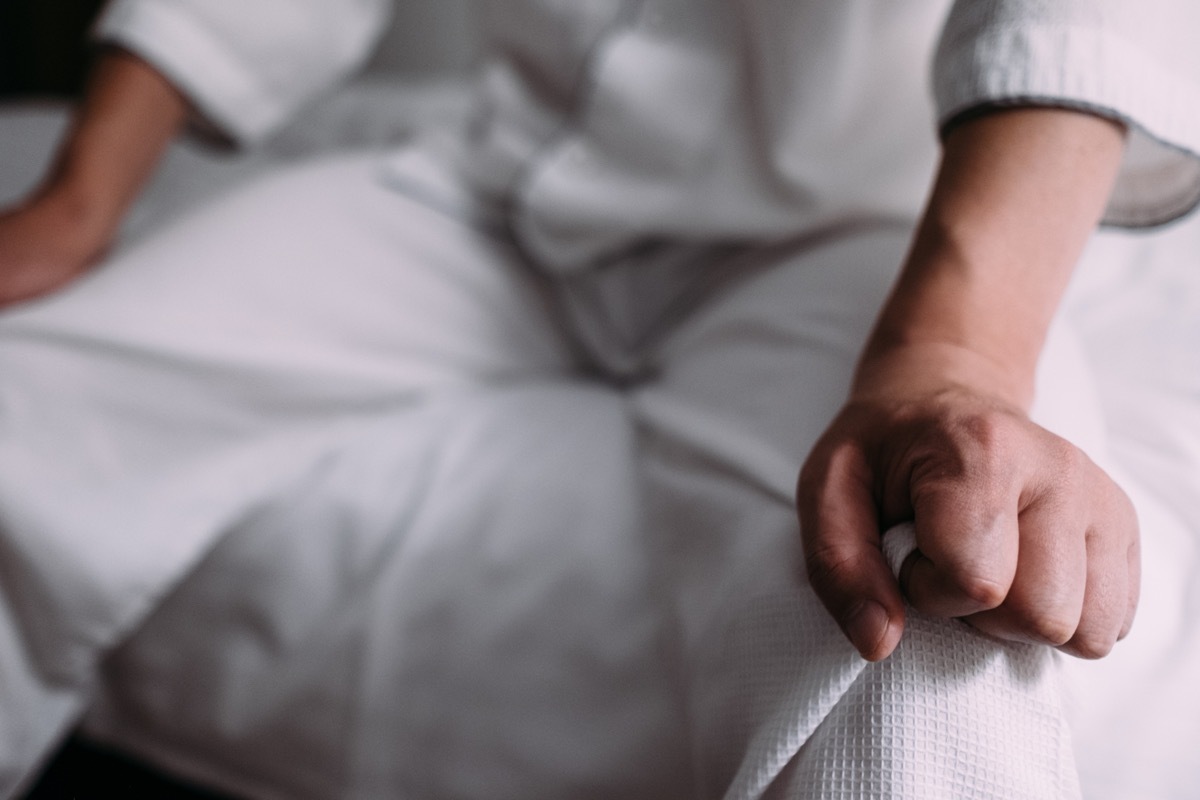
x,y
247,65
1135,62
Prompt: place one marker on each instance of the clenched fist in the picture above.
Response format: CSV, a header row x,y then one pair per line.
x,y
1018,532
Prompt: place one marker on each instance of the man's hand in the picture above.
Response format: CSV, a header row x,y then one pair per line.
x,y
44,245
128,116
1018,532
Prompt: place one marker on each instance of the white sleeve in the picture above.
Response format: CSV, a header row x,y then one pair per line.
x,y
247,65
1136,62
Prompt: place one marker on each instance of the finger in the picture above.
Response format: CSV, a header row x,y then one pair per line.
x,y
1133,559
1046,600
1109,603
968,538
846,568
1105,604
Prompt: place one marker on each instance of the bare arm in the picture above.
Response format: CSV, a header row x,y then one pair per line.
x,y
1018,531
127,118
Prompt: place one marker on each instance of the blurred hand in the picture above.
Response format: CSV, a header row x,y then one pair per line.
x,y
126,119
44,245
1018,532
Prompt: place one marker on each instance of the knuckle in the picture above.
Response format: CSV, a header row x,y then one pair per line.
x,y
829,568
987,451
1125,513
816,472
1067,456
980,590
832,454
1046,618
811,482
987,427
1090,647
1057,629
1075,464
1065,467
993,433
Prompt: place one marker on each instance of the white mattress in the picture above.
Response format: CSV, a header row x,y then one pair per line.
x,y
235,680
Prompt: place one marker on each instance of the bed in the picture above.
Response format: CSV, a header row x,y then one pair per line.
x,y
247,675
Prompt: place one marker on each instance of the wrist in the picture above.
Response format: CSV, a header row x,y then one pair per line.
x,y
953,319
966,289
907,369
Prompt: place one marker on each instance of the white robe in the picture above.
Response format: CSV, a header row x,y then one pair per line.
x,y
605,122
624,151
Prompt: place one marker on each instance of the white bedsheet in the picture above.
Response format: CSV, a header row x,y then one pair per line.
x,y
234,679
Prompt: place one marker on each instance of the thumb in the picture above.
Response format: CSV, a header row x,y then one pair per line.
x,y
846,567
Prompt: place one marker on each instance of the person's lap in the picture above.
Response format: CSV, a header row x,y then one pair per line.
x,y
204,371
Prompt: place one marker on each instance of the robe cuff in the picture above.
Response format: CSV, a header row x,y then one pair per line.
x,y
1093,69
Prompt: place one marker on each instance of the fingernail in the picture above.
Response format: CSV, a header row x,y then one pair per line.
x,y
866,626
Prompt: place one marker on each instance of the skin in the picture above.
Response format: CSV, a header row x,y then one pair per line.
x,y
128,117
1018,532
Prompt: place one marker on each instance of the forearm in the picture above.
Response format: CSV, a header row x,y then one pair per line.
x,y
1018,194
127,118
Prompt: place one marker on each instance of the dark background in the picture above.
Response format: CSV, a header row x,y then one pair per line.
x,y
43,45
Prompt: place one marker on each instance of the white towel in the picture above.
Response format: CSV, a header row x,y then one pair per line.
x,y
951,713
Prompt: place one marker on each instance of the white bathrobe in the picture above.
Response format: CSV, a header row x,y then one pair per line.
x,y
701,202
603,121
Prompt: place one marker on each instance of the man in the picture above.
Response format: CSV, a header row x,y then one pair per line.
x,y
688,157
